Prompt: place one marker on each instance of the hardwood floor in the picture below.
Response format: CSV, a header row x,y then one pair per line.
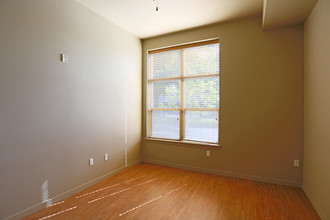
x,y
155,192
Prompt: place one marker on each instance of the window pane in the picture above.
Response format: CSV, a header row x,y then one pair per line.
x,y
166,94
201,60
202,92
166,64
166,124
202,126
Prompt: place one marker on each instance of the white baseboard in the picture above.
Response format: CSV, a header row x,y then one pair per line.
x,y
39,206
320,211
225,173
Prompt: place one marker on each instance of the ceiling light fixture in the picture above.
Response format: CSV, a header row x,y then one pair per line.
x,y
156,4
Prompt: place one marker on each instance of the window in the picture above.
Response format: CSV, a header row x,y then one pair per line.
x,y
183,92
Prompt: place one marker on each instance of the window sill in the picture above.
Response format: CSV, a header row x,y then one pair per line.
x,y
186,143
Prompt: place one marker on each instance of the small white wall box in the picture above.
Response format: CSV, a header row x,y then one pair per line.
x,y
64,58
296,163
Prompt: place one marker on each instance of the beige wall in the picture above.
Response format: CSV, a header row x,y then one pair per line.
x,y
316,182
55,116
261,123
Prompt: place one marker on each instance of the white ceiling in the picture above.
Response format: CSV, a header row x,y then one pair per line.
x,y
140,18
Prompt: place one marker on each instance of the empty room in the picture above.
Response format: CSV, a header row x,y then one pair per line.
x,y
163,109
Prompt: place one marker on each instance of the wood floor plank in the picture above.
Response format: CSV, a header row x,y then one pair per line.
x,y
154,192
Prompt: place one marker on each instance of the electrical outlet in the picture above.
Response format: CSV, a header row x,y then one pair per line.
x,y
208,153
106,156
91,161
296,163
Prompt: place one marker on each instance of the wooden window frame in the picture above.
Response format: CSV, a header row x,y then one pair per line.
x,y
182,109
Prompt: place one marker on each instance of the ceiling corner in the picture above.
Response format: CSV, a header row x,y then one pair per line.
x,y
281,13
